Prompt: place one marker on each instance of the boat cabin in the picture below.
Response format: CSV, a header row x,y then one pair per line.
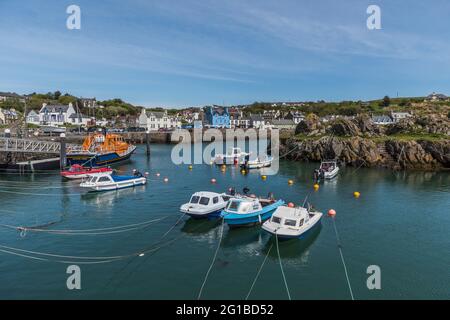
x,y
246,205
208,198
290,217
328,166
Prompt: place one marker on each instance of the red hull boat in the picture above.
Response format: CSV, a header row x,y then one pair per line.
x,y
77,171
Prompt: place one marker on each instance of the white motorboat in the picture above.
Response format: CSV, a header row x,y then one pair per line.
x,y
327,170
233,156
205,204
108,181
289,222
261,161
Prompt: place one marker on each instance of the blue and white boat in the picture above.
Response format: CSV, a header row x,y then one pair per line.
x,y
204,204
108,181
290,222
248,211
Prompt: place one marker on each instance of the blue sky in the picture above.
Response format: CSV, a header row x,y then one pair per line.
x,y
196,52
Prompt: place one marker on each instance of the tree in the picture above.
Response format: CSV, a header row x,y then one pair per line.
x,y
386,101
57,94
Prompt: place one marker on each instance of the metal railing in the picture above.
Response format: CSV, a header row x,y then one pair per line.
x,y
30,145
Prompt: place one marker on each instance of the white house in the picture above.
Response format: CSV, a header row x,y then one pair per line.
x,y
296,116
382,120
397,116
79,119
55,115
155,120
283,124
32,117
437,97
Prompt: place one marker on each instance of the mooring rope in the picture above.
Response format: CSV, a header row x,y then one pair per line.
x,y
342,258
41,194
281,267
213,260
259,271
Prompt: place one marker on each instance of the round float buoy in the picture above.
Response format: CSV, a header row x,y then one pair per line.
x,y
263,178
146,174
331,212
290,181
316,187
291,205
190,167
356,194
243,171
158,174
213,180
166,179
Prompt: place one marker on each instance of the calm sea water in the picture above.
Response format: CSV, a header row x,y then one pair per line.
x,y
401,223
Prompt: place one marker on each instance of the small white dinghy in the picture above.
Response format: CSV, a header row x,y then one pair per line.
x,y
261,161
233,156
205,204
327,170
108,181
290,222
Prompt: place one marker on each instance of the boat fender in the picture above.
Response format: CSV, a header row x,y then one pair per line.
x,y
291,205
331,212
259,218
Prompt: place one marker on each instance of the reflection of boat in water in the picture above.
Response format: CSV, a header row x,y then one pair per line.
x,y
242,237
100,150
199,227
107,199
293,252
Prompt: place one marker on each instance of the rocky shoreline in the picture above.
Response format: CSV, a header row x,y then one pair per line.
x,y
416,144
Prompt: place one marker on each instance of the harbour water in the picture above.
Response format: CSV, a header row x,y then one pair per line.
x,y
400,223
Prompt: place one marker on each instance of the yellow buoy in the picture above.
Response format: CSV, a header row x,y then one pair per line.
x,y
316,187
290,181
243,171
190,167
356,194
264,177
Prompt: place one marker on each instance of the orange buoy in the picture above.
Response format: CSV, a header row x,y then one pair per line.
x,y
356,194
291,205
213,180
331,212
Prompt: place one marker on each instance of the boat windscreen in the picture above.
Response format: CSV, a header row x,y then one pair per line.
x,y
276,220
195,199
234,205
290,222
204,201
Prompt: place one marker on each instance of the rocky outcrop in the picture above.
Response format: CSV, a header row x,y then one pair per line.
x,y
357,151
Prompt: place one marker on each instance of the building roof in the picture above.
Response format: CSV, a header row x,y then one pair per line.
x,y
381,119
10,95
57,108
284,122
438,96
256,117
156,114
77,115
32,113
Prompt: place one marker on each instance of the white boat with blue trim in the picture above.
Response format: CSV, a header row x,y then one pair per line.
x,y
248,211
290,222
108,181
205,204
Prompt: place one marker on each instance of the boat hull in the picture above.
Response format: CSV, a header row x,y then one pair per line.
x,y
98,160
114,185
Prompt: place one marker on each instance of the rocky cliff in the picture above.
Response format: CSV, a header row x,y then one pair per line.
x,y
359,142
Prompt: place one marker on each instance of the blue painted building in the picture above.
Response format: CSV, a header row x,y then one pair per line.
x,y
217,117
